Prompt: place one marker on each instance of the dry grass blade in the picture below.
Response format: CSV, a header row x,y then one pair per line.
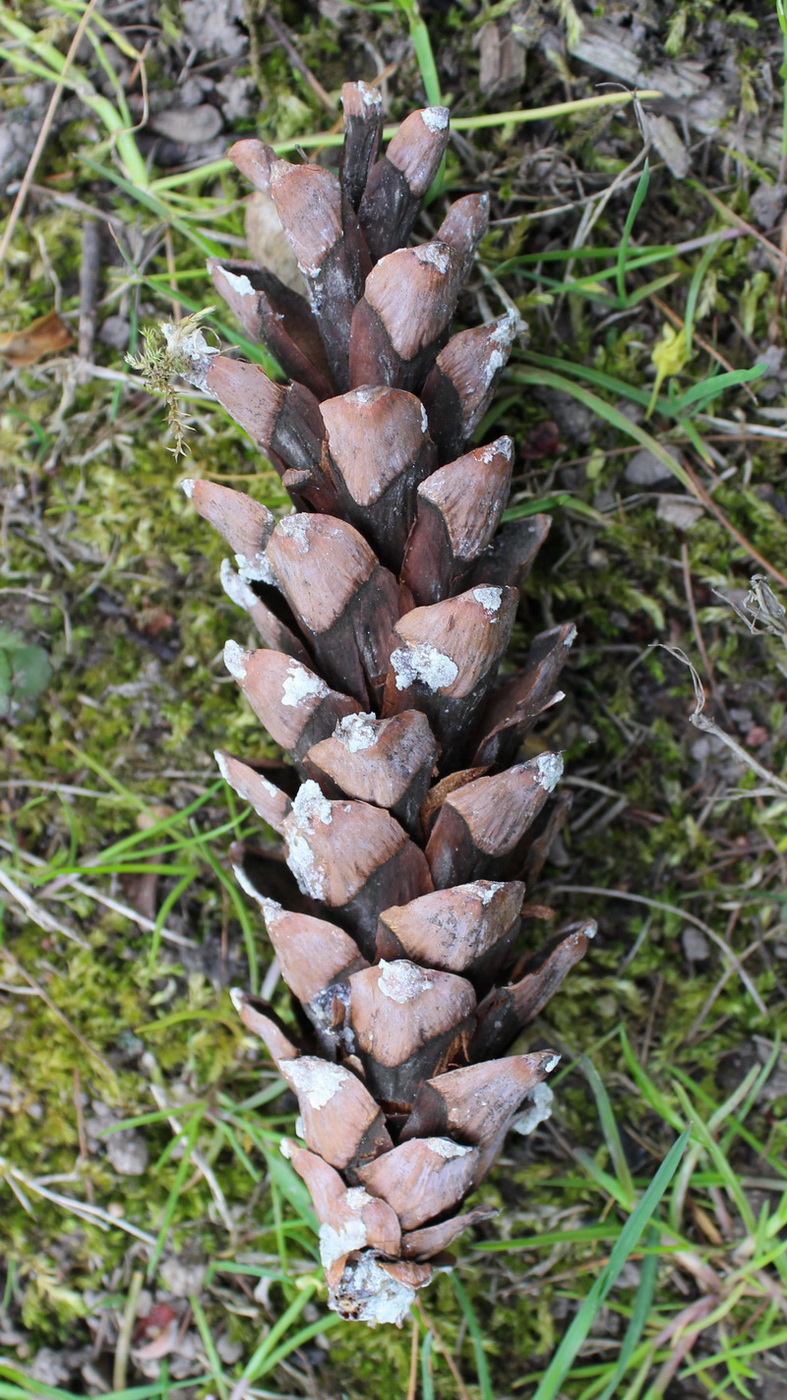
x,y
709,726
43,135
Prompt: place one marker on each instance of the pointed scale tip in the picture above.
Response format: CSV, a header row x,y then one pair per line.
x,y
235,659
220,760
550,770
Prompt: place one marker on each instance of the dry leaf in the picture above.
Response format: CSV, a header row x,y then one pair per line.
x,y
44,336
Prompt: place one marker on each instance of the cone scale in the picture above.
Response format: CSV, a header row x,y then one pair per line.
x,y
384,606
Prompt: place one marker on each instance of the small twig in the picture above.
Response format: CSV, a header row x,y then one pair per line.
x,y
452,1366
742,224
681,914
708,501
45,997
169,252
36,913
89,274
94,1214
297,62
774,327
198,1160
716,991
692,607
412,1384
71,882
709,726
126,1330
46,127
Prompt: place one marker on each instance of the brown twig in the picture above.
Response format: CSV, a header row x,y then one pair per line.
x,y
692,607
46,127
412,1383
742,224
710,504
709,726
775,324
452,1366
89,274
727,952
45,997
297,62
169,251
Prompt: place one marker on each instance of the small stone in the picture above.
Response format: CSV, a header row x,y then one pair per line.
x,y
182,1276
115,332
229,1351
678,511
238,97
767,203
695,945
188,126
645,468
49,1368
127,1152
215,29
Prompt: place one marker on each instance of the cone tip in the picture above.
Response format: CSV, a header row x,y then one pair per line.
x,y
539,1100
490,597
235,585
220,759
235,659
435,118
238,998
187,487
550,770
239,282
245,883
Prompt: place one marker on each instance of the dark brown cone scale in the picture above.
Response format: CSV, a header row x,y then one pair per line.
x,y
385,603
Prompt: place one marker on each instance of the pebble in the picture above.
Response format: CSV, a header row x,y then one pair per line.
x,y
645,468
695,945
678,511
188,126
127,1151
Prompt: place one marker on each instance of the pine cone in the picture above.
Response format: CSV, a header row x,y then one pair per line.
x,y
385,605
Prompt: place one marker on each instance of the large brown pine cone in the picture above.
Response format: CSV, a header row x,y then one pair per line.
x,y
385,604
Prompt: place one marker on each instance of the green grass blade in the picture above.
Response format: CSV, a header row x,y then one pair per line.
x,y
609,413
640,194
695,287
214,1361
702,394
184,1167
256,1365
423,51
477,1338
639,1317
524,508
610,1129
561,1362
313,1329
427,1383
